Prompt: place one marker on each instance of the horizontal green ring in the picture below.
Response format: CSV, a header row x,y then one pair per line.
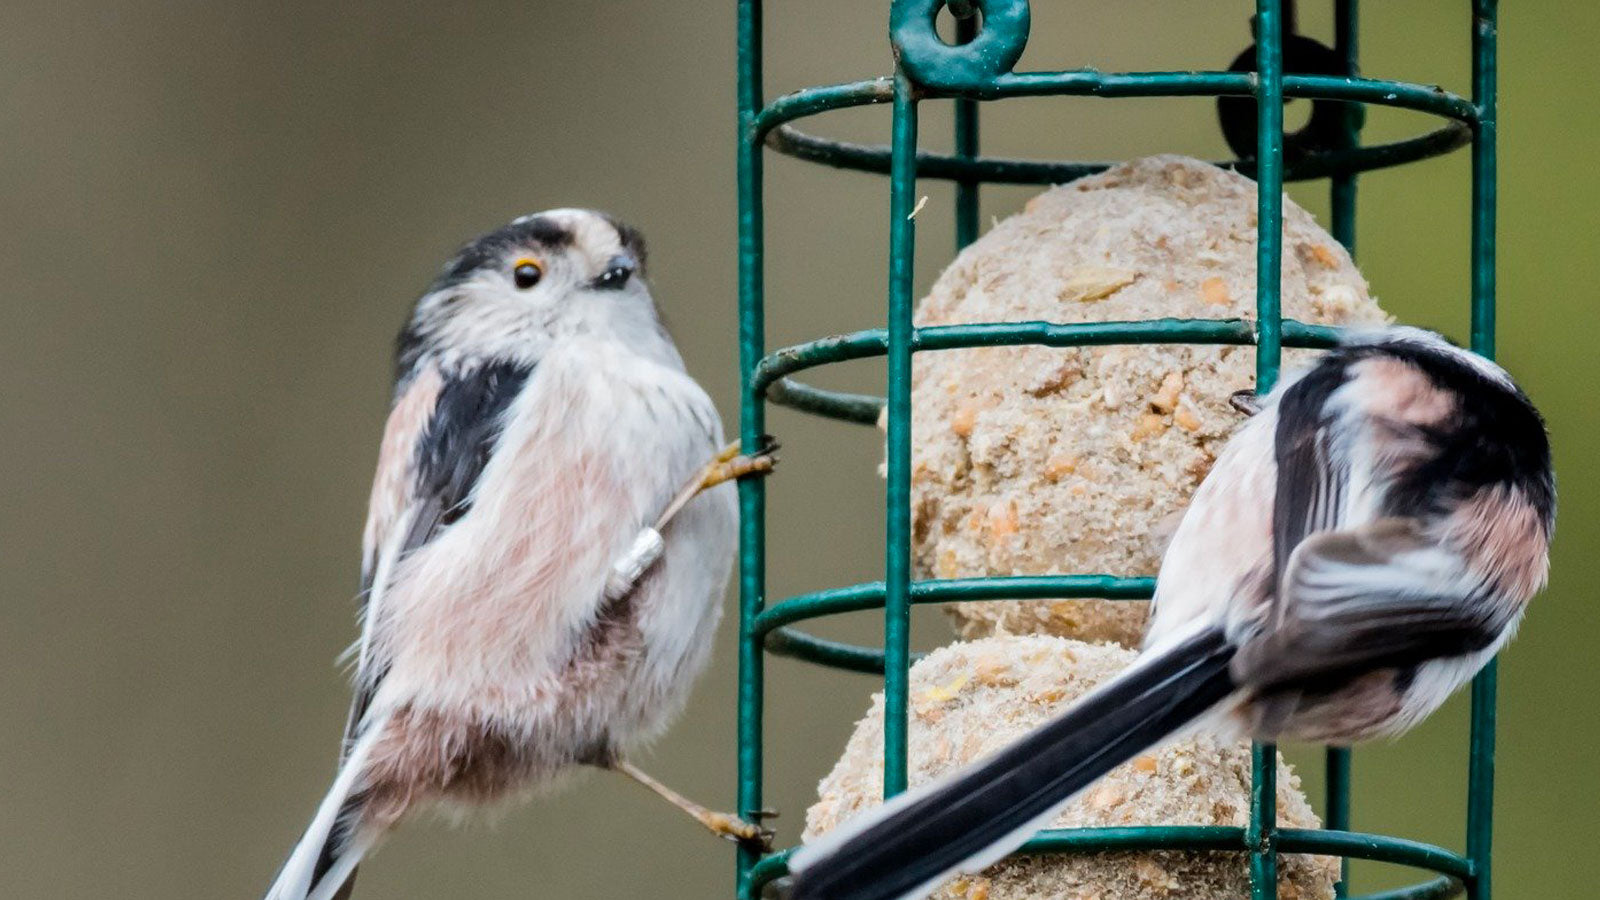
x,y
1349,844
1089,83
789,141
1375,847
823,652
1400,94
1438,889
869,595
874,342
863,409
815,100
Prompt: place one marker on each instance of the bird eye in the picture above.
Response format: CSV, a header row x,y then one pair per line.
x,y
613,278
526,274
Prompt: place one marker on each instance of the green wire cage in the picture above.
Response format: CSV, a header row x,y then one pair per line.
x,y
976,66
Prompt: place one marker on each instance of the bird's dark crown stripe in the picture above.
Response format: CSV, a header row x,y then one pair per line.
x,y
484,251
1497,437
490,248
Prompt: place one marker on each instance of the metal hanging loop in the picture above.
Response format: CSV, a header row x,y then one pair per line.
x,y
931,63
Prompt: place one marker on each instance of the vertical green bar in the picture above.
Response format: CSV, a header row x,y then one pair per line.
x,y
1480,771
752,423
966,145
1484,39
1342,200
897,511
1338,808
1480,781
1269,190
1342,191
1261,836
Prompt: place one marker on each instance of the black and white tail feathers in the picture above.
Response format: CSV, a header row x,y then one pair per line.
x,y
323,863
973,818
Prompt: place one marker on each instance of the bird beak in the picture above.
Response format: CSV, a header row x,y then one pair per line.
x,y
618,270
622,262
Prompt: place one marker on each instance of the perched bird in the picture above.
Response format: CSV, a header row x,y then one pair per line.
x,y
526,607
1363,546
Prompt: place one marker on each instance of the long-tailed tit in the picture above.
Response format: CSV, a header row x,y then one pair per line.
x,y
1363,546
526,608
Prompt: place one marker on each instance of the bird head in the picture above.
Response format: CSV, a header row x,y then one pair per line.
x,y
543,277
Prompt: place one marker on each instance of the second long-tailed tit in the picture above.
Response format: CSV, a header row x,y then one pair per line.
x,y
1363,546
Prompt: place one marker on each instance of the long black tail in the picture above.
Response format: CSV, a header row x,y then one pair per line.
x,y
978,815
323,864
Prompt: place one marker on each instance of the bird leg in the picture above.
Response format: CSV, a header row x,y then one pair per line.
x,y
724,825
727,465
1247,402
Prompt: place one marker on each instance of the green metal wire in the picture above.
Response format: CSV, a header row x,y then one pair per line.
x,y
771,373
1092,83
1342,203
977,65
966,137
791,141
951,590
1220,838
752,425
1261,836
897,494
1480,772
784,641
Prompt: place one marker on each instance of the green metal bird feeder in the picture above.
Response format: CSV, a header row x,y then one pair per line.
x,y
978,67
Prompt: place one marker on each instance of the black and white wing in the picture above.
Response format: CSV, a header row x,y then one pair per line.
x,y
1313,478
1382,595
1352,597
440,434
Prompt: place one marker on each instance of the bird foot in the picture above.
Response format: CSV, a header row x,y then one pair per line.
x,y
1247,402
729,826
731,464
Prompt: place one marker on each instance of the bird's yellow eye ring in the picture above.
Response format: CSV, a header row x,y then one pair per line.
x,y
526,273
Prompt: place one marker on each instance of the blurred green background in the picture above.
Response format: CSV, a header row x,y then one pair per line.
x,y
217,215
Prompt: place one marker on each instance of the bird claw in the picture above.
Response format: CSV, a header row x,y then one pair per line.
x,y
730,464
726,825
746,834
